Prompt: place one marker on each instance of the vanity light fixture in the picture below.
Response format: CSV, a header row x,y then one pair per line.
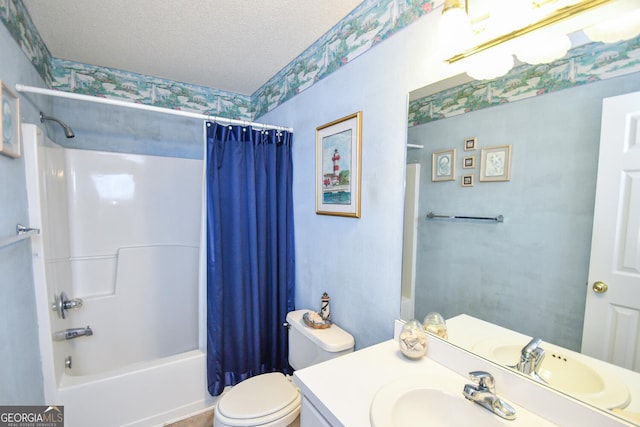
x,y
486,35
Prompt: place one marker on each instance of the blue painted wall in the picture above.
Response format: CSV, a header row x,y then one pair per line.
x,y
124,130
530,273
20,367
356,261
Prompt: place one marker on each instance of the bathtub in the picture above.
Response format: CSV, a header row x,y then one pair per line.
x,y
121,233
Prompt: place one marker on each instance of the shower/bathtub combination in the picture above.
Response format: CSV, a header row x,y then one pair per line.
x,y
118,282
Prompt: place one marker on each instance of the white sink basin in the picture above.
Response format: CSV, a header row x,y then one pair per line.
x,y
563,371
412,402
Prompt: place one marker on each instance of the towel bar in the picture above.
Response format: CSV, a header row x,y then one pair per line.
x,y
497,218
22,232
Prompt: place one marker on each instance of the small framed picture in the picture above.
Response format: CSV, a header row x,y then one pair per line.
x,y
467,180
495,163
443,165
470,144
9,122
469,162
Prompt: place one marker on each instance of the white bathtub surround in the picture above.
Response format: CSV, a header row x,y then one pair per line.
x,y
122,233
361,374
143,395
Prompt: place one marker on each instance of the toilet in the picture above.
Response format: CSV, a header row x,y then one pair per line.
x,y
272,400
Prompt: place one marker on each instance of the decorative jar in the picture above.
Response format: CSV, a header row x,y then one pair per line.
x,y
435,324
413,340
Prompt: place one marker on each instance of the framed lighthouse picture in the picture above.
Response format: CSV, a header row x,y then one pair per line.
x,y
338,164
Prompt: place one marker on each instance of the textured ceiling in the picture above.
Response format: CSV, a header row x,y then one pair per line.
x,y
231,45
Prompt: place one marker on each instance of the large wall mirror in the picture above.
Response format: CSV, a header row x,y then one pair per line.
x,y
528,273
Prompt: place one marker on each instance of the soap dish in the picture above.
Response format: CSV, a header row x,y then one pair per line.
x,y
312,322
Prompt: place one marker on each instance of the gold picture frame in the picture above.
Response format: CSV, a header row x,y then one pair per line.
x,y
9,122
338,166
495,163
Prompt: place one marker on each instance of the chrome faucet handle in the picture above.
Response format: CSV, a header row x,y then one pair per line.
x,y
484,380
538,355
530,348
484,394
531,356
72,303
62,303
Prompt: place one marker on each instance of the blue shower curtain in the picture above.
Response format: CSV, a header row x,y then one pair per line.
x,y
250,252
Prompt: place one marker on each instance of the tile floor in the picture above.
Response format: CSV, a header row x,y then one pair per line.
x,y
204,419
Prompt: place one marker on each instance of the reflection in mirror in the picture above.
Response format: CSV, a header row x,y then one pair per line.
x,y
529,273
600,384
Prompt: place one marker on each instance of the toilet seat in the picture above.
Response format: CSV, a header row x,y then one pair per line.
x,y
264,400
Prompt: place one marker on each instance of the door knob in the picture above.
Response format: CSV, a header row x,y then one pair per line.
x,y
600,287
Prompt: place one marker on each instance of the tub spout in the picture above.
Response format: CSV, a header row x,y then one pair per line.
x,y
69,334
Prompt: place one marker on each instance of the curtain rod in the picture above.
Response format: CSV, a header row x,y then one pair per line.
x,y
127,104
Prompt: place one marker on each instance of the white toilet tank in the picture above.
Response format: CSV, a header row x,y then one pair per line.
x,y
308,346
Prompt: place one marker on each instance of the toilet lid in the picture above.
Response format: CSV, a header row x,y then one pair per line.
x,y
258,396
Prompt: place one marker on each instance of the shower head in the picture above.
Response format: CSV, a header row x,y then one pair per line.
x,y
68,132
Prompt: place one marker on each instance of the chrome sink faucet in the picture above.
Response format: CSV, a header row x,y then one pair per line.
x,y
530,358
483,392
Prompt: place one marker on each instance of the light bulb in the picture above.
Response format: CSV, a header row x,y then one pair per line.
x,y
508,15
542,48
489,64
455,32
623,27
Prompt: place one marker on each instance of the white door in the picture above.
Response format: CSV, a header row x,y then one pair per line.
x,y
612,316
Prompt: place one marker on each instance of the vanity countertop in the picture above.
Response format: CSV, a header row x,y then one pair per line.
x,y
342,389
468,332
